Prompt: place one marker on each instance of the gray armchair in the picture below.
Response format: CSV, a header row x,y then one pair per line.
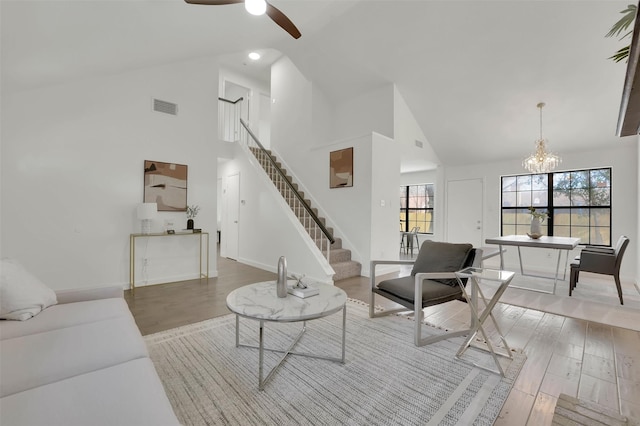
x,y
600,260
432,282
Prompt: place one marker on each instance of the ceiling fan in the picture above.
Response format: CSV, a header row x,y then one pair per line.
x,y
258,7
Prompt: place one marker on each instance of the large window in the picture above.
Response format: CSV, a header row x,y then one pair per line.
x,y
578,203
416,208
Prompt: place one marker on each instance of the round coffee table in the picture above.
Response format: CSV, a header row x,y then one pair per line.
x,y
260,302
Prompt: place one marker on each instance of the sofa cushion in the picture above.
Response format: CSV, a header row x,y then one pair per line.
x,y
66,315
127,394
22,295
39,359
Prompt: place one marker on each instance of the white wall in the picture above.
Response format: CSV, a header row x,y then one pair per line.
x,y
371,111
406,131
267,227
623,158
72,172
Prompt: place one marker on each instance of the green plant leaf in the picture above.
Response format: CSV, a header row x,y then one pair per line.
x,y
624,22
621,54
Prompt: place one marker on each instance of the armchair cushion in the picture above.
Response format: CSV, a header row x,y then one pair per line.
x,y
436,256
433,292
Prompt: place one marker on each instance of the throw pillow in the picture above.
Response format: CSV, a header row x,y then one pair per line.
x,y
22,295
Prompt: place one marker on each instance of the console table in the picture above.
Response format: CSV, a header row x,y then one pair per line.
x,y
132,252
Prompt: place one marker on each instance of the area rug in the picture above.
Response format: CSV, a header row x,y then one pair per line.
x,y
386,380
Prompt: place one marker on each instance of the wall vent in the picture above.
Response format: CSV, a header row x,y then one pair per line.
x,y
419,144
164,106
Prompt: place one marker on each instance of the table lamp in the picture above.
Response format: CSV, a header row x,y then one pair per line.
x,y
146,212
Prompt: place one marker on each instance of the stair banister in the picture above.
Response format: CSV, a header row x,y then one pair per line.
x,y
296,193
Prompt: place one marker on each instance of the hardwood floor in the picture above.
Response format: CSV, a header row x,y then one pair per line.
x,y
580,358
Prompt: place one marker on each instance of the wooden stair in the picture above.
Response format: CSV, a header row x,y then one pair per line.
x,y
339,258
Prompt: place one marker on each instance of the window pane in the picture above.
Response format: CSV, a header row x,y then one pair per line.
x,y
524,199
600,236
508,217
601,178
524,182
522,229
561,231
600,217
580,180
561,217
539,198
600,197
581,232
579,217
509,183
561,198
580,197
508,230
540,182
509,199
561,180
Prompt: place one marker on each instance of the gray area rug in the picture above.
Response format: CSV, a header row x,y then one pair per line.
x,y
386,380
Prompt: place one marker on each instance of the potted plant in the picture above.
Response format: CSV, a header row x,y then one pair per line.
x,y
192,212
536,221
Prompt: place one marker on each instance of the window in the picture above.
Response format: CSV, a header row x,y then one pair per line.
x,y
578,203
416,208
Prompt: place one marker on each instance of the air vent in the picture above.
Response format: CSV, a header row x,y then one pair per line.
x,y
419,144
164,106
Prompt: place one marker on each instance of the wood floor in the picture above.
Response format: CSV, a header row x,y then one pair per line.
x,y
579,358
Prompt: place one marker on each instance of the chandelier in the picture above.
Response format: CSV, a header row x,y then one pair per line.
x,y
541,160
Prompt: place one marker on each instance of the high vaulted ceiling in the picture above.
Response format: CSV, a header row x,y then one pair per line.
x,y
472,72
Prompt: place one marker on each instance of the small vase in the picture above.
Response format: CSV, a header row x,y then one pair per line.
x,y
536,228
189,223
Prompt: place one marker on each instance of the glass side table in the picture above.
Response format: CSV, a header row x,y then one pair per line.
x,y
476,276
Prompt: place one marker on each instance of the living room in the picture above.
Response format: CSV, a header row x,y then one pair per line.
x,y
76,131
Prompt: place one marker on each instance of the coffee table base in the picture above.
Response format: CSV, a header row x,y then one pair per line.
x,y
286,352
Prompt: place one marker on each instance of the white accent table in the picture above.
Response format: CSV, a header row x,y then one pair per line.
x,y
475,277
260,302
554,243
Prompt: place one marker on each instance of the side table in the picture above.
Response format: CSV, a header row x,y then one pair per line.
x,y
475,276
260,302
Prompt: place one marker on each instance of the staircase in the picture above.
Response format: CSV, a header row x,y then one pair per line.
x,y
339,258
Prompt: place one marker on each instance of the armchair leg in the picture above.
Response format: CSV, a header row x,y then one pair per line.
x,y
619,287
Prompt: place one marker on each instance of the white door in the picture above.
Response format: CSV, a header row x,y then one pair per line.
x,y
464,211
230,232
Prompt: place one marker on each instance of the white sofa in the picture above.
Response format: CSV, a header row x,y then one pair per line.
x,y
80,362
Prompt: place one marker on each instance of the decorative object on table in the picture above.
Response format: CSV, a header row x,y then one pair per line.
x,y
192,212
341,168
281,284
541,161
166,185
146,212
536,223
300,289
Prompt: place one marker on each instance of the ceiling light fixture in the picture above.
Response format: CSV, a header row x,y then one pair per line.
x,y
255,7
254,56
541,161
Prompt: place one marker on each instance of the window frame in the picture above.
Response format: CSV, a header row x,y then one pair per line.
x,y
406,209
553,209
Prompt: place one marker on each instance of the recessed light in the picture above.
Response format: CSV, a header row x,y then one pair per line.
x,y
254,56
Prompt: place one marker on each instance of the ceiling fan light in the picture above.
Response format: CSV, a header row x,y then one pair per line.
x,y
255,7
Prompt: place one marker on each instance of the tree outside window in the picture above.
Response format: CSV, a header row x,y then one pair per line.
x,y
578,203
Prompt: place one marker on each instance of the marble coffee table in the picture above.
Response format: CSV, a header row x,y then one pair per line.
x,y
260,302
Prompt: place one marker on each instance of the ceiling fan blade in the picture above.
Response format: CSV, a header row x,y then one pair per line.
x,y
214,2
282,20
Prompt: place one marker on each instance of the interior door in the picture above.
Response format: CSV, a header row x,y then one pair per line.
x,y
230,235
465,200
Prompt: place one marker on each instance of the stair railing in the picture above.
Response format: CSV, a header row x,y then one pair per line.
x,y
229,119
310,221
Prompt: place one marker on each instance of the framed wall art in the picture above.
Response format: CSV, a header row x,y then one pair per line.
x,y
341,168
166,185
